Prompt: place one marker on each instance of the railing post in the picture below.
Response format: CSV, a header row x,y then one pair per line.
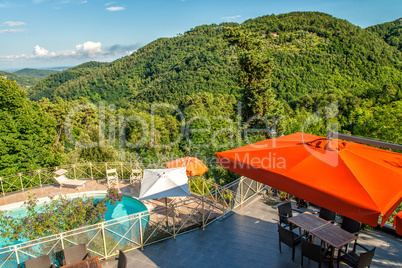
x,y
75,175
141,233
203,213
61,241
40,181
90,167
104,238
16,255
2,189
121,167
22,186
174,223
224,203
241,190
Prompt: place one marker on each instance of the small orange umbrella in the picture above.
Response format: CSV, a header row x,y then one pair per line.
x,y
193,165
398,223
354,180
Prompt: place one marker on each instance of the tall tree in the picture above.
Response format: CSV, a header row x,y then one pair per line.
x,y
259,98
27,133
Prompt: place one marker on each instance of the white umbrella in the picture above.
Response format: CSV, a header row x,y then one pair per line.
x,y
158,183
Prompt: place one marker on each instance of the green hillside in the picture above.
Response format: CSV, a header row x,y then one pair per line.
x,y
48,87
25,82
390,31
314,54
289,69
37,73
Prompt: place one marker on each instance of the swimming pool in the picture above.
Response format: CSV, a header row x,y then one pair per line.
x,y
127,206
122,208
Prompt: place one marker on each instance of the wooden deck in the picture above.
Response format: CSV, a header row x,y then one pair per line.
x,y
247,238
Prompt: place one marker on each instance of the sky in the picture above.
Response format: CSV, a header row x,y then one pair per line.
x,y
58,33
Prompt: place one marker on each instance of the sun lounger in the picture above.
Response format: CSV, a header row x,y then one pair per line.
x,y
64,181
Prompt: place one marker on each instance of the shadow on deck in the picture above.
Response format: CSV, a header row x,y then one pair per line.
x,y
247,238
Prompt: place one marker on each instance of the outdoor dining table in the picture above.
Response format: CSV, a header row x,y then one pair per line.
x,y
331,234
87,263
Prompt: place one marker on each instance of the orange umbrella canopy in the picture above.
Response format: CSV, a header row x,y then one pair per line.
x,y
193,165
354,180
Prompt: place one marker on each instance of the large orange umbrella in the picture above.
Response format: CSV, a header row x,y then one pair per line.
x,y
193,165
354,180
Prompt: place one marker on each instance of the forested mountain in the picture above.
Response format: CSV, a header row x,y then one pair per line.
x,y
38,73
23,81
292,69
47,86
313,53
390,31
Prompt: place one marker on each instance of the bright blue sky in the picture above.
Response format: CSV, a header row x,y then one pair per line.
x,y
50,33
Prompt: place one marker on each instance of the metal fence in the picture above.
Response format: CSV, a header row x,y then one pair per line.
x,y
45,176
207,203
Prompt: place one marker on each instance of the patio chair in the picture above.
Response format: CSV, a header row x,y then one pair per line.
x,y
327,215
40,262
354,260
352,227
289,238
112,177
285,211
136,176
75,254
64,181
313,252
122,260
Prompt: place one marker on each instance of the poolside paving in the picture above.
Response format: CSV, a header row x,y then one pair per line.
x,y
247,238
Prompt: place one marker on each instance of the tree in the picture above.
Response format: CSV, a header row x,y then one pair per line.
x,y
259,98
27,133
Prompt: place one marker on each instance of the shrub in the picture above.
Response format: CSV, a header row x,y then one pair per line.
x,y
55,216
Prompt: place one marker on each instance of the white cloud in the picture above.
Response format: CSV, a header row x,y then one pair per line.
x,y
14,23
230,17
41,52
81,53
12,31
89,48
115,8
111,3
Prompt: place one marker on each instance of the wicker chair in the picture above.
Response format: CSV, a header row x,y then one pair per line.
x,y
289,238
327,215
75,254
122,260
285,211
40,262
352,227
313,252
359,261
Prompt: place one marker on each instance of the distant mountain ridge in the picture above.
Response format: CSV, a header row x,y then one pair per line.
x,y
23,81
28,77
39,73
312,53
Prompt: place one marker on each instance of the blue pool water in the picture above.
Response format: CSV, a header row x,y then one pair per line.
x,y
122,208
